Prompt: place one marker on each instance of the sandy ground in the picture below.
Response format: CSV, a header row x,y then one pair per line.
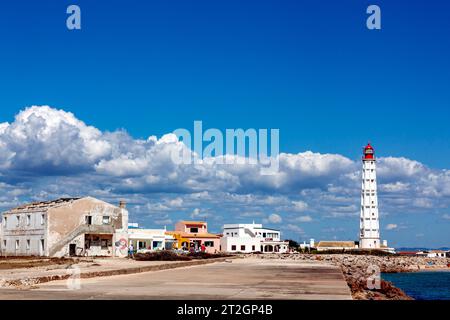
x,y
239,279
27,268
7,263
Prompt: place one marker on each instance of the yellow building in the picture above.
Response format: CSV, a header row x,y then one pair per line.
x,y
180,241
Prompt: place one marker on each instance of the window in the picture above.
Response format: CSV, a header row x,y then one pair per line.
x,y
233,248
194,230
209,244
28,244
253,248
42,219
141,245
4,244
242,248
18,221
104,244
28,219
105,219
42,246
157,244
88,220
6,222
17,244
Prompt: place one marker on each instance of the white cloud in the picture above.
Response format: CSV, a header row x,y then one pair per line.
x,y
446,216
395,187
176,203
294,228
46,139
300,206
198,214
391,226
423,203
303,219
251,214
399,168
46,153
275,218
164,222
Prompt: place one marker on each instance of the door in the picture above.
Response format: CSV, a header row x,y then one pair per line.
x,y
72,250
42,247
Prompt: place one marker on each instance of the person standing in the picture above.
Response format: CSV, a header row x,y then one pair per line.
x,y
131,250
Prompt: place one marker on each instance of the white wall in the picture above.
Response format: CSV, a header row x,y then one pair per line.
x,y
249,231
13,231
227,243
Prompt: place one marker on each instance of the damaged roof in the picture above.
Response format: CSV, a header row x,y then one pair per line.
x,y
42,205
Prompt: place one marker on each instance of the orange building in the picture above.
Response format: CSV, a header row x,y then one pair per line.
x,y
194,235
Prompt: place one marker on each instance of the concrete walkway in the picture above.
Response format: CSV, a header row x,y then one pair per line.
x,y
238,279
99,267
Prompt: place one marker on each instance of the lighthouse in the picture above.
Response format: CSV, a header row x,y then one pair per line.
x,y
369,237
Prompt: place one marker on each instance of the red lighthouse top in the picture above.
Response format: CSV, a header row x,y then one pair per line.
x,y
369,153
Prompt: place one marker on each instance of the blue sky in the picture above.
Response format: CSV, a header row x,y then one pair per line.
x,y
309,68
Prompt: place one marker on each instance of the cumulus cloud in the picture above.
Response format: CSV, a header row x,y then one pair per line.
x,y
42,139
47,153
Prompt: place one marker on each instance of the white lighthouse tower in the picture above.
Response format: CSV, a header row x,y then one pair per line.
x,y
369,221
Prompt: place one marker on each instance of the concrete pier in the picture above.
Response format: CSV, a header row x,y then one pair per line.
x,y
238,279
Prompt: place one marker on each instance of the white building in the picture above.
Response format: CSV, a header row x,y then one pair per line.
x,y
145,240
65,227
308,246
433,254
369,220
253,237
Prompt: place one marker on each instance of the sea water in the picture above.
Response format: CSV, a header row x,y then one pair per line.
x,y
424,285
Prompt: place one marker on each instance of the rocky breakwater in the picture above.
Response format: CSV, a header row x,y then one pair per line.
x,y
362,272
